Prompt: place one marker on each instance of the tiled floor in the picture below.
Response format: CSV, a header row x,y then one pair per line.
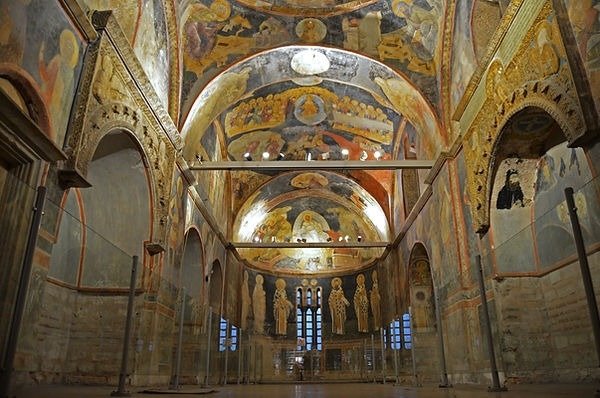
x,y
329,391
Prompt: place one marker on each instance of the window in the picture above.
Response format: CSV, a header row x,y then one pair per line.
x,y
395,336
233,338
227,340
222,334
406,332
308,319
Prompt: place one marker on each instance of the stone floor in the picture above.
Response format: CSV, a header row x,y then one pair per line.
x,y
328,391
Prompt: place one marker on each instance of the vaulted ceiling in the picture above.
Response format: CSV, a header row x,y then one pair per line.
x,y
312,81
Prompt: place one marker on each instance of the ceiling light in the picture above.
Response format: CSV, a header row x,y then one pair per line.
x,y
310,62
247,156
377,155
266,155
345,153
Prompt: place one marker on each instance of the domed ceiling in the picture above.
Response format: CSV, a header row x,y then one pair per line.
x,y
317,82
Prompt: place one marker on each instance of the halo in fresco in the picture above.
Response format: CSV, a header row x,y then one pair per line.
x,y
311,30
310,109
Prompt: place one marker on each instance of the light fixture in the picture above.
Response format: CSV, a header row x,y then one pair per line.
x,y
359,238
325,155
345,153
280,156
308,156
364,155
266,155
247,156
377,155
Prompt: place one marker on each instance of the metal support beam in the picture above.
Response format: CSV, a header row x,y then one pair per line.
x,y
288,165
6,366
487,328
585,269
306,245
121,392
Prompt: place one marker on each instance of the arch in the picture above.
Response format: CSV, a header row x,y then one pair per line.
x,y
28,90
481,148
112,239
215,287
420,285
192,268
158,156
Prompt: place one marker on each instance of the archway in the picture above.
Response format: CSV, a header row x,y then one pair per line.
x,y
423,324
118,223
531,248
192,281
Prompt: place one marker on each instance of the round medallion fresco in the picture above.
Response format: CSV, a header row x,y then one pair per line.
x,y
310,109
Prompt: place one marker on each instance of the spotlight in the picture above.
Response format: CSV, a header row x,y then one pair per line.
x,y
247,156
340,239
299,240
345,153
265,155
325,155
363,156
303,240
377,155
347,238
280,156
256,239
329,239
308,156
359,238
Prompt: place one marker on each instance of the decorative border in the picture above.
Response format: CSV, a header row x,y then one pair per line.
x,y
555,94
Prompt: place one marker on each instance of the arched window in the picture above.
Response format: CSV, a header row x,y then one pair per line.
x,y
309,318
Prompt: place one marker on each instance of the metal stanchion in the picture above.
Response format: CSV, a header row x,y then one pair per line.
x,y
383,367
413,355
488,331
175,385
438,315
373,361
121,392
208,333
239,349
395,353
15,326
585,269
227,345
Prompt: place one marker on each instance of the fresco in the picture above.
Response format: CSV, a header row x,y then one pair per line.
x,y
463,56
585,22
510,215
125,11
49,53
310,207
402,34
152,47
558,168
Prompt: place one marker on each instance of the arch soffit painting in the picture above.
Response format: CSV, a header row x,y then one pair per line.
x,y
275,192
553,92
388,87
